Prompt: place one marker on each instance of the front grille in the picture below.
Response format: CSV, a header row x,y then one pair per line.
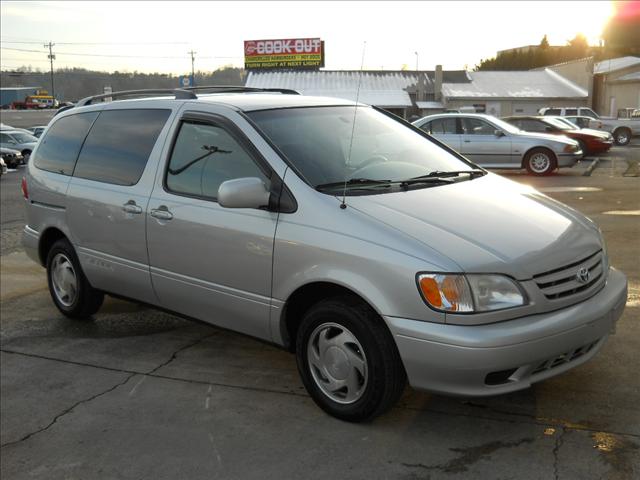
x,y
563,282
564,358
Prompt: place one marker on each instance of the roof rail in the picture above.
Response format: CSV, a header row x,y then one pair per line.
x,y
186,93
241,88
177,92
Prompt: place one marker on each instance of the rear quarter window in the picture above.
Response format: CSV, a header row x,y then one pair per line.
x,y
58,150
119,144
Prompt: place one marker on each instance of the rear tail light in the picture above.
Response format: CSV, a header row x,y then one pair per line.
x,y
23,186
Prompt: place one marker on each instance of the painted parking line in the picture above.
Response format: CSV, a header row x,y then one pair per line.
x,y
569,189
622,212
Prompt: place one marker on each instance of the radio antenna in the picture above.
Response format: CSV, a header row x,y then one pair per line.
x,y
343,205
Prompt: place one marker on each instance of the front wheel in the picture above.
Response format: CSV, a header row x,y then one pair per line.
x,y
540,161
69,288
622,136
348,360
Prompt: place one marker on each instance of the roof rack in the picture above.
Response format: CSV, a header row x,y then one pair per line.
x,y
241,88
186,93
177,92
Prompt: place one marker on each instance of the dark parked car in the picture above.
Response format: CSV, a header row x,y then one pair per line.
x,y
590,142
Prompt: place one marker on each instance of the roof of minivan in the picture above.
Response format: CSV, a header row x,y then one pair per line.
x,y
255,101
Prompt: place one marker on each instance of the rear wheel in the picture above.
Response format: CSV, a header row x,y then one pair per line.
x,y
540,161
25,156
69,288
348,360
622,136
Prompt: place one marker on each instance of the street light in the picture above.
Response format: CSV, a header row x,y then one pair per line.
x,y
416,60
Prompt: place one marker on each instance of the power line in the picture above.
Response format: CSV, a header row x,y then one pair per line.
x,y
115,56
101,43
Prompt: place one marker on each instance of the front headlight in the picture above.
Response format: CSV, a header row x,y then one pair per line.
x,y
571,148
469,293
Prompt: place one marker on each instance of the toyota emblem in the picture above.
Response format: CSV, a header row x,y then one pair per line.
x,y
583,275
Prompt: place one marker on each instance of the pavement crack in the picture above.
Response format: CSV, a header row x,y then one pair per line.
x,y
67,411
556,451
469,456
174,355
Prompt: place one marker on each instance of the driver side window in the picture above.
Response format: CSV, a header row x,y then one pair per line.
x,y
476,126
203,157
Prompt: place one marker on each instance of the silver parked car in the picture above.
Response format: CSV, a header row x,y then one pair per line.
x,y
18,140
493,143
333,230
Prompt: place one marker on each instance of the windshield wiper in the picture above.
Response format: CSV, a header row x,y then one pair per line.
x,y
211,149
453,173
358,182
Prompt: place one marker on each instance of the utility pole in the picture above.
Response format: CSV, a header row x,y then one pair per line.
x,y
51,57
193,73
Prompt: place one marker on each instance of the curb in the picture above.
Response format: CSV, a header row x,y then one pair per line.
x,y
591,167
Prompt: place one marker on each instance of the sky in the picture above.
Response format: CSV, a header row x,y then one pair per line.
x,y
157,36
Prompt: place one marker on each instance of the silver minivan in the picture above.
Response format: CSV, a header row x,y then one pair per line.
x,y
374,252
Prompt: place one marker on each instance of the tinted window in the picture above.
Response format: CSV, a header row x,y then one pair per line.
x,y
475,126
443,126
203,157
532,125
118,146
553,111
58,149
571,111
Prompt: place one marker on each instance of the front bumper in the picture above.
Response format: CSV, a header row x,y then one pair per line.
x,y
569,159
469,360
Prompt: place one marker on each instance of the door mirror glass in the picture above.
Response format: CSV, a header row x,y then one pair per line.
x,y
249,192
499,133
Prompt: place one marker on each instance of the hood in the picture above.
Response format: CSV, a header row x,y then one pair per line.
x,y
488,225
549,136
596,133
8,150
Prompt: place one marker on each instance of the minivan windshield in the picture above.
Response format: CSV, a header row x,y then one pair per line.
x,y
317,142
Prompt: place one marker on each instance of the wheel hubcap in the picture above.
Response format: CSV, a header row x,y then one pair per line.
x,y
337,363
622,138
64,280
539,162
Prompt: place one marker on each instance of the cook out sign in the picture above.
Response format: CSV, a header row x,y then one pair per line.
x,y
295,46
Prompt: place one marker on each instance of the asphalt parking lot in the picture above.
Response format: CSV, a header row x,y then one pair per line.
x,y
138,393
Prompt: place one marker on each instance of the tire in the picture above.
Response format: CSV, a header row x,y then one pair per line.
x,y
622,136
348,360
540,161
69,288
25,156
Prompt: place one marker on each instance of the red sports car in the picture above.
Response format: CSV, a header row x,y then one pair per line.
x,y
591,141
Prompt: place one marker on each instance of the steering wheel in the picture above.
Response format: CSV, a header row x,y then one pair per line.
x,y
369,162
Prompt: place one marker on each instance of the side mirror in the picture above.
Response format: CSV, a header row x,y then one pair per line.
x,y
499,133
248,192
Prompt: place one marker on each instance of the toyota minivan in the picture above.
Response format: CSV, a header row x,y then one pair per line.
x,y
335,230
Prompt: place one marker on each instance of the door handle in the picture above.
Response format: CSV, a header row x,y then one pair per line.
x,y
162,213
131,207
467,141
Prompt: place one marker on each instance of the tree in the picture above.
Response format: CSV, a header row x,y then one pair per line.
x,y
544,43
